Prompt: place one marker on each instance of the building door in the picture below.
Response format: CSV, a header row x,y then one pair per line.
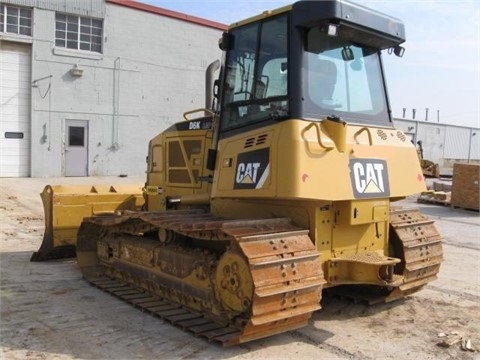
x,y
76,148
15,89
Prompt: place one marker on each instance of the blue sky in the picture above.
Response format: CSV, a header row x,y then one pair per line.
x,y
441,66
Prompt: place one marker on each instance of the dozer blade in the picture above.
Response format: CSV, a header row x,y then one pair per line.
x,y
65,206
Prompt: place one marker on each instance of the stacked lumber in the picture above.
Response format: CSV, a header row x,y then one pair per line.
x,y
438,194
441,186
465,186
435,197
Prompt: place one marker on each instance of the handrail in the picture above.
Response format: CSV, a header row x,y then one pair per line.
x,y
319,135
368,133
185,114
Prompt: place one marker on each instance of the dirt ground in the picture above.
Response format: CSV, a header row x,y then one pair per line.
x,y
49,312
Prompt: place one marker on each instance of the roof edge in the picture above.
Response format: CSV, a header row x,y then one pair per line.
x,y
169,13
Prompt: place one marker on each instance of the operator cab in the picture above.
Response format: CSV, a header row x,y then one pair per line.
x,y
310,60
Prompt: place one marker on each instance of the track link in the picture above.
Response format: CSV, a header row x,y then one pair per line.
x,y
283,266
415,240
418,241
171,312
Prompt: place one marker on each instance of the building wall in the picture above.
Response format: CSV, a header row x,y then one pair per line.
x,y
442,143
93,8
152,69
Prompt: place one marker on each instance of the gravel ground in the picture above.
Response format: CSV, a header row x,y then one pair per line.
x,y
49,312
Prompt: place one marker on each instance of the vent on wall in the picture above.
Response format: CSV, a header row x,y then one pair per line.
x,y
259,140
13,135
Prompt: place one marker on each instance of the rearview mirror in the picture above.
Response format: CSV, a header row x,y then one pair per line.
x,y
225,41
347,54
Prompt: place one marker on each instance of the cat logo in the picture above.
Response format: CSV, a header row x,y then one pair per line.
x,y
369,178
247,173
253,169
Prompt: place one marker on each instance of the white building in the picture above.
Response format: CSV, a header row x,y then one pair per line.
x,y
442,143
85,84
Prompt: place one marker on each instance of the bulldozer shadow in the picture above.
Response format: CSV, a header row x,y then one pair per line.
x,y
53,293
338,307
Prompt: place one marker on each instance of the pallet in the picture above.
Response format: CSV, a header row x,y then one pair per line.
x,y
433,201
435,197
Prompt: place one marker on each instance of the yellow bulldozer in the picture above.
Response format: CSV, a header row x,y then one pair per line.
x,y
280,188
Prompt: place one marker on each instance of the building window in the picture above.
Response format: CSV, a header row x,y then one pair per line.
x,y
79,33
15,20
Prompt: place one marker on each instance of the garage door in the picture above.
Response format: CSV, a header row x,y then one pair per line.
x,y
15,87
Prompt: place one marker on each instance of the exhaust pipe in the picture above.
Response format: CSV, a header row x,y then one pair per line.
x,y
209,81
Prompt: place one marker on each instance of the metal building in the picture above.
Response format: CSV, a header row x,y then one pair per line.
x,y
85,84
443,144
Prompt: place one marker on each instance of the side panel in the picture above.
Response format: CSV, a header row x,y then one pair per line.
x,y
177,164
244,165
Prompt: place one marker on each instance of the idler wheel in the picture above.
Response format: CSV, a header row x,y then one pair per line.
x,y
234,282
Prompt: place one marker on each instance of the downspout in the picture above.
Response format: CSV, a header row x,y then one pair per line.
x,y
116,103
